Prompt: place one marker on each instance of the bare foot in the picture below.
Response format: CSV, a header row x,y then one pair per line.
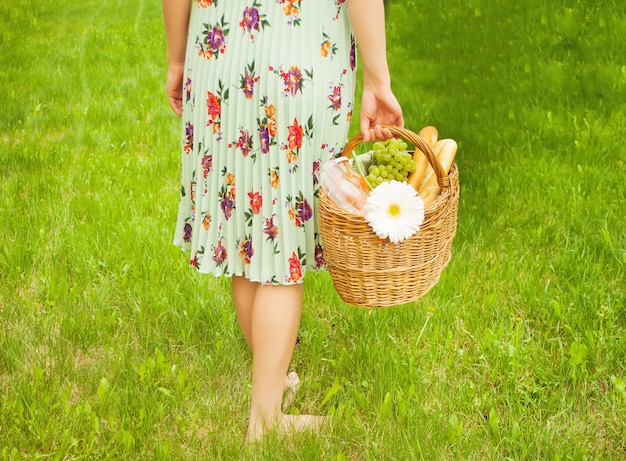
x,y
301,423
292,383
287,424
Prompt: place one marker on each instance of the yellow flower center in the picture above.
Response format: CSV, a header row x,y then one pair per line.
x,y
393,210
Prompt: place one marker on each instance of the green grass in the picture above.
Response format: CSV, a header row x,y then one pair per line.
x,y
111,347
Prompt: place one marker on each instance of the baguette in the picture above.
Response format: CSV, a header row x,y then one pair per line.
x,y
437,148
445,150
429,134
416,178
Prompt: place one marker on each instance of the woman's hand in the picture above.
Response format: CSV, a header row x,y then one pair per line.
x,y
176,21
379,107
174,87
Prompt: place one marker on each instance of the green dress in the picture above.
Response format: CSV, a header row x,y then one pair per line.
x,y
268,96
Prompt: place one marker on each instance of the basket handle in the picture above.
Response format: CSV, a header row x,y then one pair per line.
x,y
417,141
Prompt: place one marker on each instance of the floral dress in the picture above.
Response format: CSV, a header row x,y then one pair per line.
x,y
268,96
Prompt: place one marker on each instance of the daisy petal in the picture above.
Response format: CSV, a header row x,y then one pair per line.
x,y
394,210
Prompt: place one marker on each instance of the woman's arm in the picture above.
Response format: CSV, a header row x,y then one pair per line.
x,y
379,106
176,21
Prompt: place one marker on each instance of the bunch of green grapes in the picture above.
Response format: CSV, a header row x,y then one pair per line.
x,y
391,161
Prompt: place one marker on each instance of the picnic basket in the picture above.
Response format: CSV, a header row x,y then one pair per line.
x,y
369,272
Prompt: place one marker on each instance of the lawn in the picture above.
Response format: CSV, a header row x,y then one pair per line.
x,y
111,347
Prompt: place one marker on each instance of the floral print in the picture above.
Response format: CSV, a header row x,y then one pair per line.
x,y
244,142
248,200
213,106
207,165
219,253
295,269
327,48
291,9
293,79
213,42
246,250
247,81
188,138
205,3
335,98
252,21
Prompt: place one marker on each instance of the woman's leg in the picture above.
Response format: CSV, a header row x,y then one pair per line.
x,y
244,292
275,322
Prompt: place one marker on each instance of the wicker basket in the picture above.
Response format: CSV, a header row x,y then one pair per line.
x,y
370,272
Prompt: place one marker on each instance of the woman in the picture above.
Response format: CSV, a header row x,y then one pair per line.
x,y
265,89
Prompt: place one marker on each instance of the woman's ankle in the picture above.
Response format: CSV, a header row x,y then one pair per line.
x,y
258,425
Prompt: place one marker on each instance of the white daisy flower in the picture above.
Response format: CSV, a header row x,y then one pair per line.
x,y
394,210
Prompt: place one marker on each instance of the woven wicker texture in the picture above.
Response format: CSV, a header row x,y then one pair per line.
x,y
370,272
